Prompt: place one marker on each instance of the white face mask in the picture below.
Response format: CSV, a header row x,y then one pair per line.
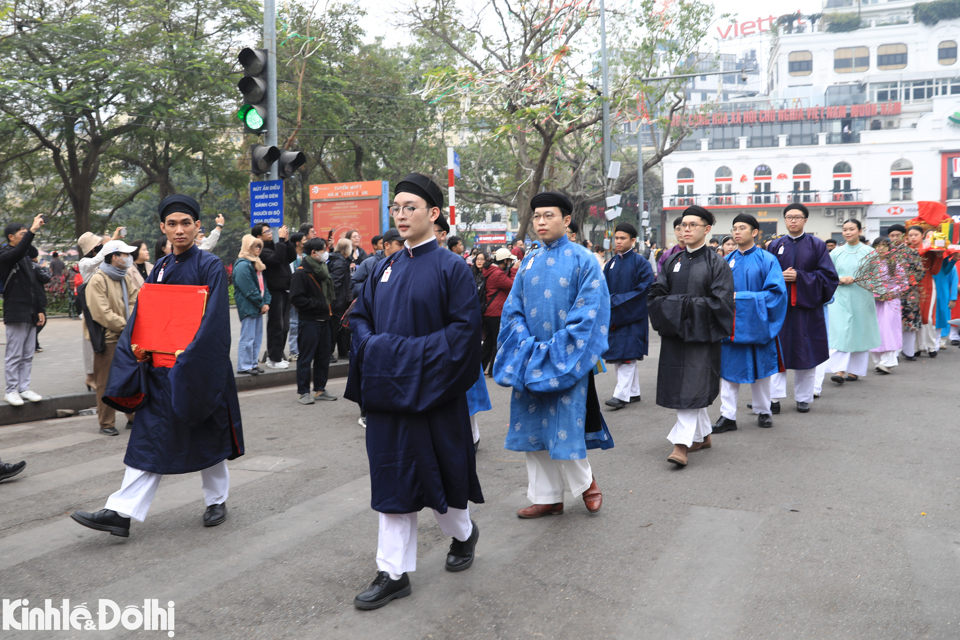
x,y
124,262
323,256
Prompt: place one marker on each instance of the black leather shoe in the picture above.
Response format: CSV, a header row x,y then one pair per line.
x,y
616,403
724,424
910,358
460,556
215,514
381,591
10,469
104,520
933,354
764,421
634,399
803,407
775,407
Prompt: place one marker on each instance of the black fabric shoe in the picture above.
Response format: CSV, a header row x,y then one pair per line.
x,y
910,358
616,403
803,407
460,556
775,407
476,446
933,354
381,591
634,399
10,469
215,514
955,343
764,421
104,520
724,424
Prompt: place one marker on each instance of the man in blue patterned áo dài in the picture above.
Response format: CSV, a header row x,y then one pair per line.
x,y
552,333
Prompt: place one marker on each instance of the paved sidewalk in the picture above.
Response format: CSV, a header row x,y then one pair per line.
x,y
59,369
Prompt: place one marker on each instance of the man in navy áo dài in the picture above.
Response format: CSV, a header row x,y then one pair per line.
x,y
187,411
552,333
750,355
416,354
629,277
811,280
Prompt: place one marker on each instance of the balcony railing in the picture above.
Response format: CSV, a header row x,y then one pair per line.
x,y
766,198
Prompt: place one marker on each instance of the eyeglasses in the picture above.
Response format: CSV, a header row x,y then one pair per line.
x,y
407,210
691,225
544,216
745,227
794,218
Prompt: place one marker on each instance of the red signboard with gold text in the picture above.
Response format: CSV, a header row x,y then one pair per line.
x,y
348,206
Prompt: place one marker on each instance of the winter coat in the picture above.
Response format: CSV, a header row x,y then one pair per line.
x,y
340,274
105,302
277,256
498,288
306,293
246,289
363,271
20,289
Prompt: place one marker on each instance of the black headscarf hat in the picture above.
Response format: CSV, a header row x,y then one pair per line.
x,y
178,203
421,185
552,199
748,219
627,228
700,212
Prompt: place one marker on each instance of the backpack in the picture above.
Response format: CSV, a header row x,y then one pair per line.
x,y
98,337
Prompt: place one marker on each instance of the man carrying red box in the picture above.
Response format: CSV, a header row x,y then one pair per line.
x,y
179,382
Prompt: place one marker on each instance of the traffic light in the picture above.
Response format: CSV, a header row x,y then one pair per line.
x,y
262,158
253,86
290,161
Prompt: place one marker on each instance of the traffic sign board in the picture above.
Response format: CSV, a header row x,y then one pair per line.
x,y
266,202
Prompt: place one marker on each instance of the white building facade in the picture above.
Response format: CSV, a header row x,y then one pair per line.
x,y
857,125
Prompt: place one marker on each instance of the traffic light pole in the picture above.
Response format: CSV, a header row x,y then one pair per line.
x,y
270,44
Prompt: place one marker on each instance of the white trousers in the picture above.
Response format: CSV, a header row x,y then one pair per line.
x,y
693,425
887,358
628,381
821,372
474,427
909,347
730,391
397,540
853,363
803,383
954,332
138,488
928,338
545,477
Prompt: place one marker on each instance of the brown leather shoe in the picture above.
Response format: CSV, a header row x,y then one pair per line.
x,y
540,510
706,444
679,455
592,497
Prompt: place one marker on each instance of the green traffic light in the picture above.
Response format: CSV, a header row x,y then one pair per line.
x,y
251,117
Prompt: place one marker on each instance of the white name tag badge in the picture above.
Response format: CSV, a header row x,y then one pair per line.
x,y
386,274
530,264
733,262
676,267
613,263
780,252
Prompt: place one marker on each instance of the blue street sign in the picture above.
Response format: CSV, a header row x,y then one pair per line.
x,y
266,203
456,165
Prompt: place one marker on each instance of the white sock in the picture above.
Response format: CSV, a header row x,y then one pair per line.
x,y
394,576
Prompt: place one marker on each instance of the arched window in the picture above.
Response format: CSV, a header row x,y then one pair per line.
x,y
685,184
842,179
947,52
901,180
723,178
762,184
762,170
801,184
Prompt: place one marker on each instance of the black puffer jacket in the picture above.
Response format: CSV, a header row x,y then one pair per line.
x,y
20,292
339,268
278,256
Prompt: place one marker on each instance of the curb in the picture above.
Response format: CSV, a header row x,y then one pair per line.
x,y
47,408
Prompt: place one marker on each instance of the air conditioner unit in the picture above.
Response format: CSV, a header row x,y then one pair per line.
x,y
840,221
828,213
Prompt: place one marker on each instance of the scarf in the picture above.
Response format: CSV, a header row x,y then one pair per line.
x,y
245,252
323,274
119,275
